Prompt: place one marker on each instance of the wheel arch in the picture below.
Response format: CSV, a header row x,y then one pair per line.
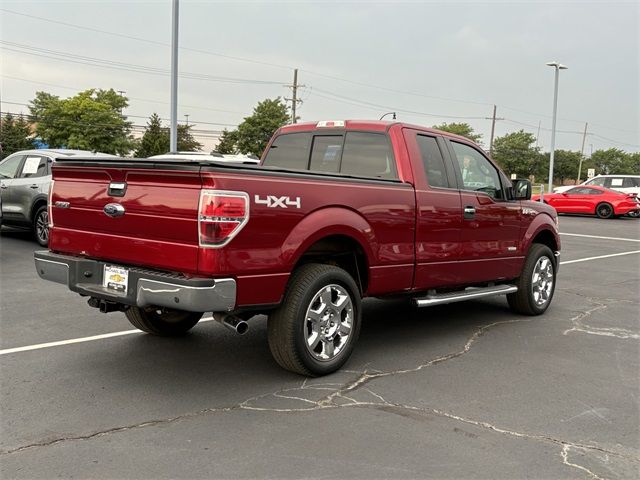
x,y
39,201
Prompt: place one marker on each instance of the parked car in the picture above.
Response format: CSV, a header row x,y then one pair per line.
x,y
25,178
336,211
620,183
592,200
214,156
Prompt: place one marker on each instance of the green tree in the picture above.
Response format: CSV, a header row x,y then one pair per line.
x,y
516,153
227,142
254,132
565,165
15,135
462,129
156,139
614,161
90,120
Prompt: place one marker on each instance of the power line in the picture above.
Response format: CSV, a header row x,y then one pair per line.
x,y
146,40
99,62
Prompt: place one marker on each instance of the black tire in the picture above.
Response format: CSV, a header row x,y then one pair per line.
x,y
289,326
604,210
162,321
524,300
41,226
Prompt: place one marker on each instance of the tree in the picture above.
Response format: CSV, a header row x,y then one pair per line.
x,y
516,153
90,120
254,132
565,165
15,135
462,129
614,161
227,142
156,139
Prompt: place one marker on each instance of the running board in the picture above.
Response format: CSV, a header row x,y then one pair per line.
x,y
468,294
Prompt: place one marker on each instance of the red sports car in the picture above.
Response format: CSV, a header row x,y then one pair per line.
x,y
592,200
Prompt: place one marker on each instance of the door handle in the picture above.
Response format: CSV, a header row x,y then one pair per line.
x,y
33,186
469,212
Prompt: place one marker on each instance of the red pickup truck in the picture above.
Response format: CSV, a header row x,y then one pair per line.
x,y
335,212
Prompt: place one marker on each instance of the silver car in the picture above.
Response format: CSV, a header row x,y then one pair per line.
x,y
25,178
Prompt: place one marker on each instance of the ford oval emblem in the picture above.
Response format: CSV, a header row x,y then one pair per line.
x,y
113,210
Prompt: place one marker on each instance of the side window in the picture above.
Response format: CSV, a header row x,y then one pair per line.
x,y
289,151
591,191
617,182
630,182
368,155
34,167
9,167
325,153
433,161
598,182
478,173
580,191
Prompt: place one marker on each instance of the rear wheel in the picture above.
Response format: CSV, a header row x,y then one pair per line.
x,y
314,330
164,322
604,210
537,282
41,226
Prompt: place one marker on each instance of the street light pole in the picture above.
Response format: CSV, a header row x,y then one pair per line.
x,y
558,66
173,142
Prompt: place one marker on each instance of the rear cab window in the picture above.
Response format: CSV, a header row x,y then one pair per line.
x,y
353,153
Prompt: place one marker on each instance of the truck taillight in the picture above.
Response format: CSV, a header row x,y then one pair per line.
x,y
50,204
221,216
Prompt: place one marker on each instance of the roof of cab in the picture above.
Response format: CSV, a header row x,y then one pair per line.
x,y
371,125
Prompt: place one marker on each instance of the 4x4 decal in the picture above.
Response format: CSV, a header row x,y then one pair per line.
x,y
272,201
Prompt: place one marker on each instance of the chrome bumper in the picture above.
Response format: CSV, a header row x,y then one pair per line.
x,y
146,287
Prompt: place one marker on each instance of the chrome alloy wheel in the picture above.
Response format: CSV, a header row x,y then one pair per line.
x,y
542,281
42,226
328,322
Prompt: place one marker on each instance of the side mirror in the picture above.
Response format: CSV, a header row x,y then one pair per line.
x,y
522,189
564,194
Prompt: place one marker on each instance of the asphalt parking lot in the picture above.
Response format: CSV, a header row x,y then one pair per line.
x,y
468,390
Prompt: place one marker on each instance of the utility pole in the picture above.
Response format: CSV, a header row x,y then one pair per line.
x,y
294,100
186,116
493,129
121,92
538,136
173,143
584,137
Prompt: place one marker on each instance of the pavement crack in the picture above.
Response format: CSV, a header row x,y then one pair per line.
x,y
598,304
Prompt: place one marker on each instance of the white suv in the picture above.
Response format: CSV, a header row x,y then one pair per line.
x,y
621,183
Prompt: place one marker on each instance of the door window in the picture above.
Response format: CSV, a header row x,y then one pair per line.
x,y
289,151
598,181
34,167
9,167
368,155
432,161
478,174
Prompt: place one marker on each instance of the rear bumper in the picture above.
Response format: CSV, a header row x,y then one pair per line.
x,y
145,288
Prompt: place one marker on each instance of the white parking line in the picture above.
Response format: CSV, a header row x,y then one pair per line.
x,y
599,256
208,319
601,238
77,340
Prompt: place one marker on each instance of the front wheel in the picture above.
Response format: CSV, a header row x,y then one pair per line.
x,y
537,282
314,330
164,322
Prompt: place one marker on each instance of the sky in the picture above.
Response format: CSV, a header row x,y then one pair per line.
x,y
430,61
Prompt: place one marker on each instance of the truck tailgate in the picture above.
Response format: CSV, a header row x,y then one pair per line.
x,y
159,226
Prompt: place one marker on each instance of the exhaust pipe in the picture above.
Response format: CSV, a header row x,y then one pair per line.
x,y
232,322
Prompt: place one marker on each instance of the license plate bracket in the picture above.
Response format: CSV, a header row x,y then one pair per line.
x,y
116,279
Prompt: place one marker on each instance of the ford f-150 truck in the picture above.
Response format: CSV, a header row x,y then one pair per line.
x,y
335,212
